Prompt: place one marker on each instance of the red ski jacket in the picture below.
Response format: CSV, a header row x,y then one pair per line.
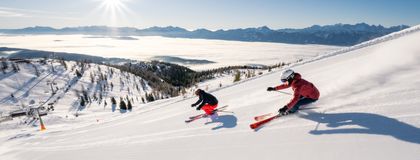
x,y
301,88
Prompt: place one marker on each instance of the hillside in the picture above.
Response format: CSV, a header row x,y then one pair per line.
x,y
369,109
64,85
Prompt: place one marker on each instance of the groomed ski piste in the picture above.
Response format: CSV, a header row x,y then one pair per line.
x,y
369,109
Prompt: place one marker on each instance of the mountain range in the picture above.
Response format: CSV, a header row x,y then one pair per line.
x,y
337,34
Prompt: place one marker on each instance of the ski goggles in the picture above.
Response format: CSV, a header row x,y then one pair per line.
x,y
284,80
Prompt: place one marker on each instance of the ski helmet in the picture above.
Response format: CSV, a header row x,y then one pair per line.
x,y
197,92
287,75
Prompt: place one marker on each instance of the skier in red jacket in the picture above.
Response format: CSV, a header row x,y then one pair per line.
x,y
304,92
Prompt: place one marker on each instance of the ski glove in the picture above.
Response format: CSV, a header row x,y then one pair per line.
x,y
198,108
284,111
271,89
192,105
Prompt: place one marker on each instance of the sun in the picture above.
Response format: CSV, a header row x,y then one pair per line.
x,y
112,4
112,12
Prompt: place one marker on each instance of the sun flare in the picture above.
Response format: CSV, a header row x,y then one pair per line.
x,y
112,3
114,11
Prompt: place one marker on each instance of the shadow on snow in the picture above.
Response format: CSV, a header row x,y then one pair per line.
x,y
225,121
370,123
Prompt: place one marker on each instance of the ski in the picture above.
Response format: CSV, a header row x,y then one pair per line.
x,y
261,123
262,117
193,118
221,109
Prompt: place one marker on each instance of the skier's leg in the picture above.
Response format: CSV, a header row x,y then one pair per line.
x,y
212,108
214,116
303,101
209,108
206,108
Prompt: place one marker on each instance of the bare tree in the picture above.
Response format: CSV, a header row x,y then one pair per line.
x,y
3,66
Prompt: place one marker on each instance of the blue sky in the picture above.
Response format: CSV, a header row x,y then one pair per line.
x,y
210,14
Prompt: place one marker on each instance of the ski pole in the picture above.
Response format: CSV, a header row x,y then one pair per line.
x,y
226,111
284,92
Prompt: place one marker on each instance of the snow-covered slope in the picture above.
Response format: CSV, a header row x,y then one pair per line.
x,y
56,82
369,109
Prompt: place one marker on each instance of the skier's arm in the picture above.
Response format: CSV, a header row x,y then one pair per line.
x,y
201,105
200,99
282,86
295,99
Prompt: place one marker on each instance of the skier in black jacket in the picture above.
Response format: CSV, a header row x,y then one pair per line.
x,y
206,101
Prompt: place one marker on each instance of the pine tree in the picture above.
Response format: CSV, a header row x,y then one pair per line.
x,y
237,76
143,84
111,71
4,66
183,91
92,78
123,106
248,74
150,97
52,66
78,74
36,70
129,106
44,60
137,87
15,67
85,94
113,101
82,101
64,64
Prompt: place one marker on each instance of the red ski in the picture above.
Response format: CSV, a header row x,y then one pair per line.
x,y
261,123
262,117
193,118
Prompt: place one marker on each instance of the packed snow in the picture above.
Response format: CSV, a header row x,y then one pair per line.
x,y
223,53
368,109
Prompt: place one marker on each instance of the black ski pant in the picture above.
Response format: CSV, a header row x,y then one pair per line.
x,y
302,102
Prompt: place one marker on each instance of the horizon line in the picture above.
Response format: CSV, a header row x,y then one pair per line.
x,y
139,28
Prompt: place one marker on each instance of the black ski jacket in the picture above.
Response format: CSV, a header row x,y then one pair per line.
x,y
205,98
